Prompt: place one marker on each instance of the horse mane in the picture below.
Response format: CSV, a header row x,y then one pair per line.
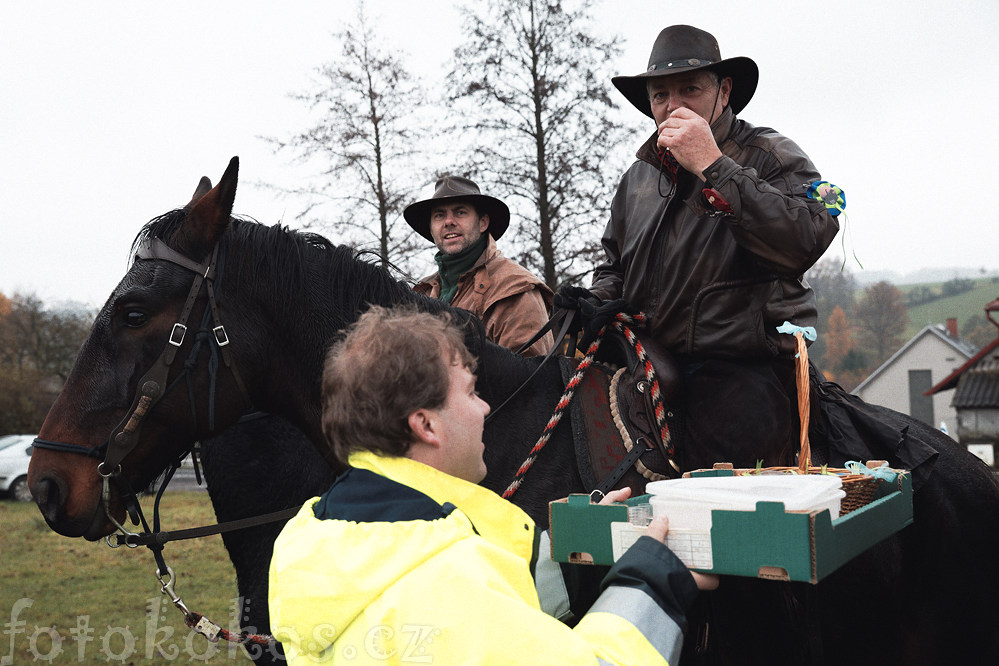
x,y
307,266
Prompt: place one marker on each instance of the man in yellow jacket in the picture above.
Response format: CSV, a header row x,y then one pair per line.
x,y
406,560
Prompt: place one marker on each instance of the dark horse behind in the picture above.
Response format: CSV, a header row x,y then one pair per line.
x,y
924,596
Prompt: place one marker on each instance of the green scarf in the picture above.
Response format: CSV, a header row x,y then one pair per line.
x,y
450,267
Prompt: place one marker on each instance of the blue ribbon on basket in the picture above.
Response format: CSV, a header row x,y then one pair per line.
x,y
807,331
883,473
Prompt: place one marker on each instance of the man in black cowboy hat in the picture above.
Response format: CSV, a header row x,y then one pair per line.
x,y
711,231
472,274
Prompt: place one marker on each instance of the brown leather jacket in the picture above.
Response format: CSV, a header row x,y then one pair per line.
x,y
512,303
718,279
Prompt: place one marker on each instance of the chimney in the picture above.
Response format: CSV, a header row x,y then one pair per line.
x,y
952,327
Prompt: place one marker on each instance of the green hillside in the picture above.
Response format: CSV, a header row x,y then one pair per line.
x,y
962,306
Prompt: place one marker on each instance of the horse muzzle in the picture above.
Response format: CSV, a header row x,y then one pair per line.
x,y
74,511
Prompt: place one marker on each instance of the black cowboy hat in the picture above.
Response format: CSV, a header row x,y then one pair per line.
x,y
455,187
682,48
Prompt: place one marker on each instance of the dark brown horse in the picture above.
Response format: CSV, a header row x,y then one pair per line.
x,y
274,300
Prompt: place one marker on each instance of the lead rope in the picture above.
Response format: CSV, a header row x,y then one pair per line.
x,y
202,625
195,621
621,322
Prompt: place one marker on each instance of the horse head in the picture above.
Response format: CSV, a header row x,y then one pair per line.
x,y
144,385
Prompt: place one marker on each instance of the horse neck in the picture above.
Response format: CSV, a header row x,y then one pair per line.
x,y
514,428
330,290
300,307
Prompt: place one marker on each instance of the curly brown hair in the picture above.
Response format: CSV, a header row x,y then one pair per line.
x,y
390,363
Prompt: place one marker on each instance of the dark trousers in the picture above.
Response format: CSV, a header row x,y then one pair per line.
x,y
742,412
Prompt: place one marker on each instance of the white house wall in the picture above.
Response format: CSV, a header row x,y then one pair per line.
x,y
979,426
891,387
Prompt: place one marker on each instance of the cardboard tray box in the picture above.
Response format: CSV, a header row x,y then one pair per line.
x,y
766,543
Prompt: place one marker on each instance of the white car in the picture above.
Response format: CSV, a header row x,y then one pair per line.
x,y
15,454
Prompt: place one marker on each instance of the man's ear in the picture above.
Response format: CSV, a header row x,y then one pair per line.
x,y
483,223
422,424
725,90
426,446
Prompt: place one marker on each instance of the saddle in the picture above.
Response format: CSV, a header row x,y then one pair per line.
x,y
615,434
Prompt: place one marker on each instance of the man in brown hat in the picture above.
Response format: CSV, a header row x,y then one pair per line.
x,y
472,274
711,231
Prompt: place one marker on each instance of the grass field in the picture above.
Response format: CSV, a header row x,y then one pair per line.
x,y
70,601
961,306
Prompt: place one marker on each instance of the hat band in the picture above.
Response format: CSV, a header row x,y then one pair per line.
x,y
680,62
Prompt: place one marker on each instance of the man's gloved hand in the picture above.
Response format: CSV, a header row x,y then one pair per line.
x,y
594,313
575,298
598,317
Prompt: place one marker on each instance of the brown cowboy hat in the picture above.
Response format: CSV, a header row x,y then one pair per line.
x,y
455,187
683,48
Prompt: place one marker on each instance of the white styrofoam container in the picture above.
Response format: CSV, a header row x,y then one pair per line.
x,y
688,502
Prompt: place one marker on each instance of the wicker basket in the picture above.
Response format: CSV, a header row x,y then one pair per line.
x,y
860,489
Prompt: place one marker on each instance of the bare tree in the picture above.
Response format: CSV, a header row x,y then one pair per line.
x,y
365,144
881,318
529,86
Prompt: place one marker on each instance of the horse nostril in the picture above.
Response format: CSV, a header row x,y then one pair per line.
x,y
48,498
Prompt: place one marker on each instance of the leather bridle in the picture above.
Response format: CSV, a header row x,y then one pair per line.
x,y
152,387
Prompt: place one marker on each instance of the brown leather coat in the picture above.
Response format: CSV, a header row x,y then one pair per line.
x,y
717,280
512,303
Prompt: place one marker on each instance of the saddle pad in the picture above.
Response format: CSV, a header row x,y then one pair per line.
x,y
598,443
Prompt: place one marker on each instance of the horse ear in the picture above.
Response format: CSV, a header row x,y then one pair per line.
x,y
209,217
203,188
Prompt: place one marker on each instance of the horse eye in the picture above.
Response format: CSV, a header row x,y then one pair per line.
x,y
136,318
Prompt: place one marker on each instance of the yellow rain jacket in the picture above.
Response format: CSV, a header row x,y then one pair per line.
x,y
399,563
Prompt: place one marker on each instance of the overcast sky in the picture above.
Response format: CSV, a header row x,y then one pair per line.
x,y
112,111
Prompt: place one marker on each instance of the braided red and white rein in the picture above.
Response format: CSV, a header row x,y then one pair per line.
x,y
621,321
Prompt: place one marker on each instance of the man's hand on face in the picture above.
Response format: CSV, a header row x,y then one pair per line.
x,y
688,136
